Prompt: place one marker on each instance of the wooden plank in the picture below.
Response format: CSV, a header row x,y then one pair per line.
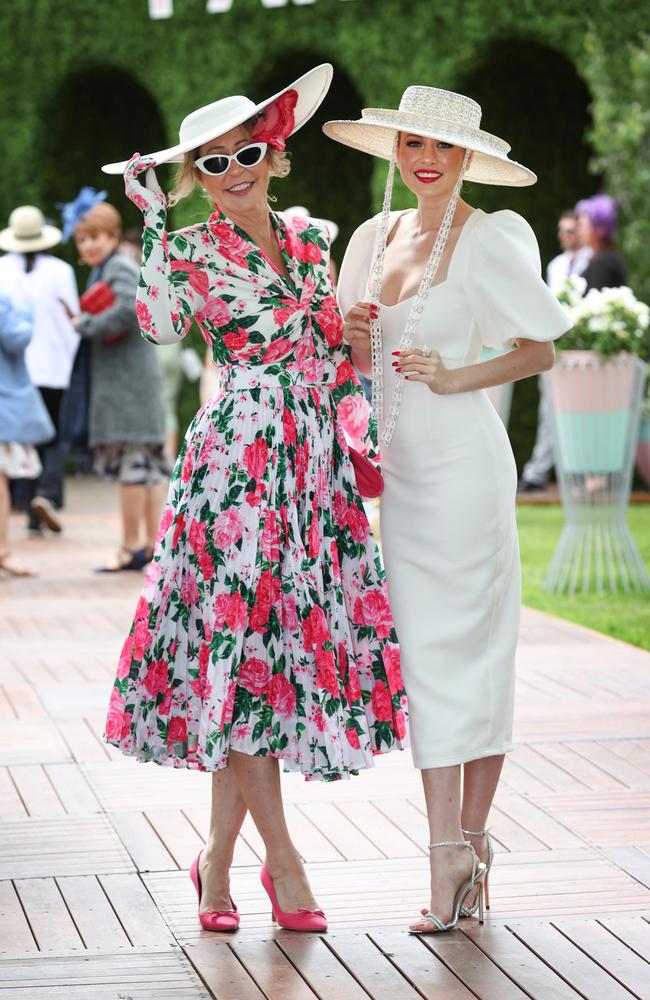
x,y
177,834
472,967
92,913
27,741
420,966
637,752
15,933
610,954
631,860
221,972
39,847
48,914
379,830
147,975
84,746
408,819
25,701
347,838
148,852
557,778
517,779
6,708
319,967
269,967
586,772
578,969
136,910
612,764
632,931
511,833
545,828
519,963
370,967
72,789
36,791
312,843
11,803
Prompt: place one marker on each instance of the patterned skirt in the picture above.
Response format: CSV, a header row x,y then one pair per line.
x,y
264,624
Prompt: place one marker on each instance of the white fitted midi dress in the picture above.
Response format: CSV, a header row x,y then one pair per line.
x,y
448,527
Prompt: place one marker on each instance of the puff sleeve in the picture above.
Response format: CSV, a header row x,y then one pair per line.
x,y
507,295
355,269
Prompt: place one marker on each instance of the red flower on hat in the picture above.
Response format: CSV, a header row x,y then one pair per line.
x,y
277,122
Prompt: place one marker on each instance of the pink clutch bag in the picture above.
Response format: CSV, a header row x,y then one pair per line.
x,y
370,481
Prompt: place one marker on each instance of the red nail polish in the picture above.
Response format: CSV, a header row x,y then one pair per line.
x,y
396,353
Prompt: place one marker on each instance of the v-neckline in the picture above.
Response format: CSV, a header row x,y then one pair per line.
x,y
438,284
288,278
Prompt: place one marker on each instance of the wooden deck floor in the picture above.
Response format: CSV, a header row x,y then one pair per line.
x,y
95,901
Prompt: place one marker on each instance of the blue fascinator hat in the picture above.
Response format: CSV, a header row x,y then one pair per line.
x,y
73,212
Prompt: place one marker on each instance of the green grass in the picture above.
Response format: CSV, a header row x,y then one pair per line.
x,y
625,616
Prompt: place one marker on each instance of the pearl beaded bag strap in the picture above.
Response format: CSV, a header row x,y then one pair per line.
x,y
415,314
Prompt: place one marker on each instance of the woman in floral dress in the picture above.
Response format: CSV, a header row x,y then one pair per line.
x,y
263,632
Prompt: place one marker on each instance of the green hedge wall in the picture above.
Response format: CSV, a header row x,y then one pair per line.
x,y
83,83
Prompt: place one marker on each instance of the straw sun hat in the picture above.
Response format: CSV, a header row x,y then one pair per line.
x,y
28,232
221,116
435,114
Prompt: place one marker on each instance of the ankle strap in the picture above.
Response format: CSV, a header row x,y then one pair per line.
x,y
451,843
477,833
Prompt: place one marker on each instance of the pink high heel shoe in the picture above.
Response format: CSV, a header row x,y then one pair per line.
x,y
303,920
215,920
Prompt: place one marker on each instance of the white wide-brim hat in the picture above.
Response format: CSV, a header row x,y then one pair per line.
x,y
302,212
28,232
221,116
435,114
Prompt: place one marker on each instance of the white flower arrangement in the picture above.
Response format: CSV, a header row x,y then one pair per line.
x,y
609,320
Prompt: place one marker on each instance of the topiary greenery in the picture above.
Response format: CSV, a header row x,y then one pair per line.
x,y
83,83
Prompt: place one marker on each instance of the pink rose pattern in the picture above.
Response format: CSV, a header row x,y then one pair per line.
x,y
263,625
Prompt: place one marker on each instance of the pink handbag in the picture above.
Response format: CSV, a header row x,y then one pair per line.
x,y
370,481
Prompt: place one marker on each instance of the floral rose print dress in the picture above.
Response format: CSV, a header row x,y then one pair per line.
x,y
264,624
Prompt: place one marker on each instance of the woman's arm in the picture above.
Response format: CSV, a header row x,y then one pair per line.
x,y
529,358
15,326
167,297
118,318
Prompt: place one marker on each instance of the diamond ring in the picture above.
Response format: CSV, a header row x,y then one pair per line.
x,y
426,351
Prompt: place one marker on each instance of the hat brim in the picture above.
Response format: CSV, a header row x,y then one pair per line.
x,y
486,167
49,237
311,88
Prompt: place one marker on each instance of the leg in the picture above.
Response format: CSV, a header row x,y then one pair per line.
x,y
259,782
537,470
132,503
450,866
10,565
152,513
480,780
226,818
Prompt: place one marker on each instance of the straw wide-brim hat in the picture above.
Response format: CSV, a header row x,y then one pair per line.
x,y
221,116
302,212
28,232
435,114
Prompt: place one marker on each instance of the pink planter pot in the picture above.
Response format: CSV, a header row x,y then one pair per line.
x,y
582,383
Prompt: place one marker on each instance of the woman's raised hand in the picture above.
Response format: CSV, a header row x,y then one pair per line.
x,y
356,325
148,196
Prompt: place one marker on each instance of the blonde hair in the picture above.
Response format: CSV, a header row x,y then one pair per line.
x,y
102,218
187,174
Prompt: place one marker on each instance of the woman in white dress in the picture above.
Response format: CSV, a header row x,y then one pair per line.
x,y
422,292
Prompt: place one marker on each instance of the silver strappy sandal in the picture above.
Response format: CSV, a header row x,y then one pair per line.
x,y
469,911
474,882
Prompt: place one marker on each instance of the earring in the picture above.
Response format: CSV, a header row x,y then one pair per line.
x,y
272,198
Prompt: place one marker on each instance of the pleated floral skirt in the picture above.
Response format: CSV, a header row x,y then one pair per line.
x,y
264,624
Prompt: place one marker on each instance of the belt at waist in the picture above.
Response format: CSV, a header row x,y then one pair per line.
x,y
259,377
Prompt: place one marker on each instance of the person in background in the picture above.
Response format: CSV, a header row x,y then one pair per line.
x,y
127,417
573,260
597,218
24,420
47,285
